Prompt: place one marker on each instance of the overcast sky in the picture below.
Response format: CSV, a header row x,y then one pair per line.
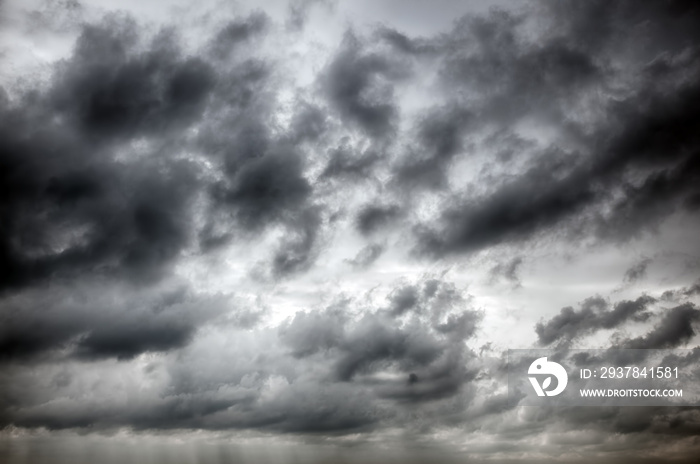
x,y
305,231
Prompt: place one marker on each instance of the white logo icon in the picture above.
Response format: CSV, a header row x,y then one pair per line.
x,y
542,366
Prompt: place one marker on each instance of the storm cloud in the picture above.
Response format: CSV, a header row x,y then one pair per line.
x,y
594,314
324,223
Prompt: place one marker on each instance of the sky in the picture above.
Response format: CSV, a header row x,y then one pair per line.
x,y
310,230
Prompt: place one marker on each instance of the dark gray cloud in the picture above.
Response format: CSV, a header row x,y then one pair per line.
x,y
651,137
439,135
266,188
675,20
264,183
693,289
308,333
638,271
110,91
659,196
515,212
237,32
404,299
69,203
99,197
86,216
429,356
354,84
309,123
125,341
675,329
405,44
443,379
348,164
373,217
151,176
594,314
681,293
94,321
297,251
373,343
353,360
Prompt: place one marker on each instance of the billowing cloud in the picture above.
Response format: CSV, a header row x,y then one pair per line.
x,y
373,217
594,314
675,329
357,87
309,223
638,271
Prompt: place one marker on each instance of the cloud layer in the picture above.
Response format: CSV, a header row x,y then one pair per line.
x,y
242,228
